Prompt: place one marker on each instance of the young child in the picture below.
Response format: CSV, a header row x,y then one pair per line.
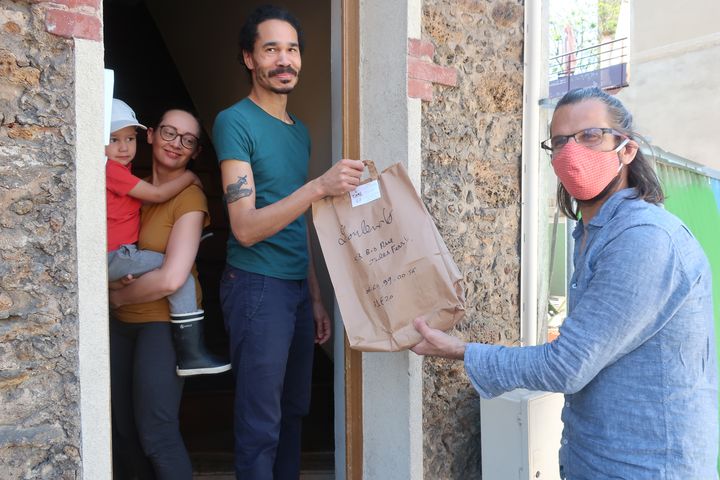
x,y
125,195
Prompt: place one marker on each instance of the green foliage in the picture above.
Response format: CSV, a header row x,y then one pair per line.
x,y
592,22
608,13
582,18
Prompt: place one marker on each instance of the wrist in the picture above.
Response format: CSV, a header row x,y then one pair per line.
x,y
113,300
315,297
316,189
460,351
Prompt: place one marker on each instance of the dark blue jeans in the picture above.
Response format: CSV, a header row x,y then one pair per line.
x,y
145,393
271,329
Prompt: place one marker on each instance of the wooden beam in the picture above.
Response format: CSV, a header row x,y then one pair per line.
x,y
351,149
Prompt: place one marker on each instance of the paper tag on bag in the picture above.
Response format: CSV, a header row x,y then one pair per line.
x,y
365,193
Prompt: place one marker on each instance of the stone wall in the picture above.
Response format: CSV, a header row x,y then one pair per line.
x,y
39,388
471,149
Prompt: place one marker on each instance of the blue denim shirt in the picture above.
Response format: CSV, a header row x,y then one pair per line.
x,y
635,357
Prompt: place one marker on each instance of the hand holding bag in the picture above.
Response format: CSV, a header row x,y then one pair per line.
x,y
387,262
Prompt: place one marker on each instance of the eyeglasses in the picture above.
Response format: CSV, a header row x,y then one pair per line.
x,y
589,137
187,140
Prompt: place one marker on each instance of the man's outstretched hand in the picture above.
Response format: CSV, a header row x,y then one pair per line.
x,y
437,343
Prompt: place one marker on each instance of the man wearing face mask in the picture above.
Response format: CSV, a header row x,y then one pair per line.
x,y
636,354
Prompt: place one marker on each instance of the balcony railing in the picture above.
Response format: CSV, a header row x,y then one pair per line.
x,y
603,65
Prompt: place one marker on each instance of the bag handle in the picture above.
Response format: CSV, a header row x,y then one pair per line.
x,y
371,169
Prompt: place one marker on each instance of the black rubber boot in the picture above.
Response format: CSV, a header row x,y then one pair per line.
x,y
192,356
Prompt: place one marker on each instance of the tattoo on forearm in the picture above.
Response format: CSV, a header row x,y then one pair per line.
x,y
235,191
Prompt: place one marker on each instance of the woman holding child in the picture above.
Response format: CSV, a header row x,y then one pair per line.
x,y
146,390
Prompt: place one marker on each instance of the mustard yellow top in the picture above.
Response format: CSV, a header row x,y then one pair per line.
x,y
156,225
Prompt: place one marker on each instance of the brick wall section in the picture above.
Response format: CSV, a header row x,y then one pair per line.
x,y
73,18
39,389
422,72
471,148
73,24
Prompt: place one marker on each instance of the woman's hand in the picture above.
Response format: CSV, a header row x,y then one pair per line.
x,y
121,282
437,343
180,255
115,287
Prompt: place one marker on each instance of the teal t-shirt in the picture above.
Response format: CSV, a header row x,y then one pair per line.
x,y
279,154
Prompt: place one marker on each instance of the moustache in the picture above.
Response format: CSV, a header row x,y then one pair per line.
x,y
281,70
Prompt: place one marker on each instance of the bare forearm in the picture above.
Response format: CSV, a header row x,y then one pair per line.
x,y
147,192
168,190
251,226
313,284
149,287
457,351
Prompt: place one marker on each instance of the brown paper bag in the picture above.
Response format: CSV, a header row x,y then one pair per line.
x,y
387,262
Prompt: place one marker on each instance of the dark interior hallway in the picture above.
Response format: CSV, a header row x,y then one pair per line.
x,y
148,79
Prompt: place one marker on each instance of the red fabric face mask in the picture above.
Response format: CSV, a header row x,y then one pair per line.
x,y
585,172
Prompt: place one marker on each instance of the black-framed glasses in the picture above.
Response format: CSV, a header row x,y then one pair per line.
x,y
187,140
589,137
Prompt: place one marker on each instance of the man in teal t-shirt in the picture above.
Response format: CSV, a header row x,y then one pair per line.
x,y
246,131
269,293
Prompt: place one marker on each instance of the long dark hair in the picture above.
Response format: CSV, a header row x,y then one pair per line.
x,y
641,174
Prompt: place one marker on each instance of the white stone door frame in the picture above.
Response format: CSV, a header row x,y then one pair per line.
x,y
389,131
93,322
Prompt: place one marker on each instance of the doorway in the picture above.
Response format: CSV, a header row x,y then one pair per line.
x,y
184,54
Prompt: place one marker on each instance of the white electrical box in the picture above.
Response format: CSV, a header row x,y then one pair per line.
x,y
520,436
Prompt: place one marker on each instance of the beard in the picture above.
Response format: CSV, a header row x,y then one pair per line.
x,y
282,90
278,71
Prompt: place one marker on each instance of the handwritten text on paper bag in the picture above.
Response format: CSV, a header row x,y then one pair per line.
x,y
364,228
